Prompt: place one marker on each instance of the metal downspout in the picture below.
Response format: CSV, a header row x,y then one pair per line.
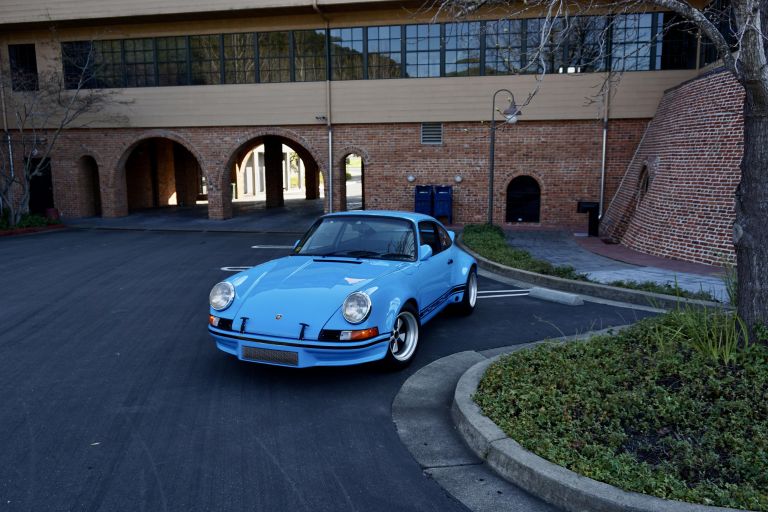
x,y
606,110
328,119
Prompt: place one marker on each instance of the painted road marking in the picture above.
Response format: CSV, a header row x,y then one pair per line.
x,y
498,294
271,247
234,269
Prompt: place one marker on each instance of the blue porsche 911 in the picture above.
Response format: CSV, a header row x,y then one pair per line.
x,y
356,288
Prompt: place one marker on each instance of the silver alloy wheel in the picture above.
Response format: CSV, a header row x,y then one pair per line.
x,y
472,289
405,336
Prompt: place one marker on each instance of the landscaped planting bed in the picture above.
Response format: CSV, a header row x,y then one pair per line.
x,y
675,407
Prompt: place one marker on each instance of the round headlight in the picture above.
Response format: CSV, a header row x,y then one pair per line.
x,y
221,296
356,307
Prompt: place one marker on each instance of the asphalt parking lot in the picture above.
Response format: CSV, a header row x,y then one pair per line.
x,y
113,397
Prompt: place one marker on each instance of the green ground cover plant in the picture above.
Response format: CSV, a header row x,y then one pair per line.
x,y
28,220
675,406
666,289
489,242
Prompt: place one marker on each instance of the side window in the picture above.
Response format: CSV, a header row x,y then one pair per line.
x,y
445,238
429,236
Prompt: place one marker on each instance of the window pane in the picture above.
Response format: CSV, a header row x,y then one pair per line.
x,y
172,60
309,55
544,39
586,48
384,52
462,43
504,47
77,59
632,40
139,63
205,56
108,66
274,57
422,47
239,59
347,53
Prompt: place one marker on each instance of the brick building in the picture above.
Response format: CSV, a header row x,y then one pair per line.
x,y
197,87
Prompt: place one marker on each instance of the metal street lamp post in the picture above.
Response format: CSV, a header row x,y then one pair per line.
x,y
510,117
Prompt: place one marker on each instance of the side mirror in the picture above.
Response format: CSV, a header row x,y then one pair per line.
x,y
452,234
426,252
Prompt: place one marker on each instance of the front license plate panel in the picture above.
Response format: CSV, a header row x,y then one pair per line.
x,y
266,355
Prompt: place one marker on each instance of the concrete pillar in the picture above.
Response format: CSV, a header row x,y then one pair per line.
x,y
311,179
273,171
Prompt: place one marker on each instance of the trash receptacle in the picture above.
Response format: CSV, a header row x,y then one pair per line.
x,y
424,195
444,203
593,209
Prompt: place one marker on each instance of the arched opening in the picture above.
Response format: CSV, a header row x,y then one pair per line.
x,y
523,200
355,182
271,172
89,179
159,173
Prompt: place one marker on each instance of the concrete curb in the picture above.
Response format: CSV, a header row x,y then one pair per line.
x,y
550,482
601,291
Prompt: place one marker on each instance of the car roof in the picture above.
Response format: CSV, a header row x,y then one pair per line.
x,y
413,216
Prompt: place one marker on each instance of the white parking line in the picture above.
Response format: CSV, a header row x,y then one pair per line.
x,y
518,290
271,247
498,294
505,295
234,269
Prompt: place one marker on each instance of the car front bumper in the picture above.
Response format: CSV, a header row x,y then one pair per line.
x,y
299,353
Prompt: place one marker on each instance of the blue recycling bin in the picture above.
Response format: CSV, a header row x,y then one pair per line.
x,y
424,195
444,203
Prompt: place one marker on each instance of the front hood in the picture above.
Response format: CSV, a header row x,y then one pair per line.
x,y
279,296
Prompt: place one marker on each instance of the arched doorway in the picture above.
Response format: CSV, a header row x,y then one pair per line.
x,y
355,181
523,200
272,171
160,172
89,179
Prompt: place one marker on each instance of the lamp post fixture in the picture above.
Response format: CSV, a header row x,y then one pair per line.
x,y
510,117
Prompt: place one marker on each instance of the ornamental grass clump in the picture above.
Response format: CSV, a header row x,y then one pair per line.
x,y
659,408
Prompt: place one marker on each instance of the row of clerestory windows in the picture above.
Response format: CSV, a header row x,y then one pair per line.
x,y
627,42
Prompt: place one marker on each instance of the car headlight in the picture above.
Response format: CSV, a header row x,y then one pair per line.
x,y
356,307
221,296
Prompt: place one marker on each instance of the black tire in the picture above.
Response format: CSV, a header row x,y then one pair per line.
x,y
404,340
467,305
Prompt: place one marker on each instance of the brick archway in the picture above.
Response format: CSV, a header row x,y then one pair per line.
x,y
302,146
117,204
365,161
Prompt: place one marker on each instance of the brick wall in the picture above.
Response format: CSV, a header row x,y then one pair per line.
x,y
690,155
563,156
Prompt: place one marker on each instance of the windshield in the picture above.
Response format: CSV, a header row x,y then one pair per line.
x,y
360,237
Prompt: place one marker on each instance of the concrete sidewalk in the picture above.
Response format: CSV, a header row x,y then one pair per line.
x,y
295,217
606,263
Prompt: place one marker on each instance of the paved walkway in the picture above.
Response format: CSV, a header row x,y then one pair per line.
x,y
606,263
295,217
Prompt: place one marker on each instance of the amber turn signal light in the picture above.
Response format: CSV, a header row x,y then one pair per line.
x,y
360,335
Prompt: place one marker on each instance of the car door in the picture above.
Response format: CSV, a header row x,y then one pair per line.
x,y
434,273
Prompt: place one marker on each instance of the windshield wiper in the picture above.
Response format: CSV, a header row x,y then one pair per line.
x,y
352,254
396,256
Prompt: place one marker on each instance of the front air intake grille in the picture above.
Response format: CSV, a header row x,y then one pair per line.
x,y
271,356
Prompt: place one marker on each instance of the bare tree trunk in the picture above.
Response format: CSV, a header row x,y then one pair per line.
x,y
751,228
750,231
